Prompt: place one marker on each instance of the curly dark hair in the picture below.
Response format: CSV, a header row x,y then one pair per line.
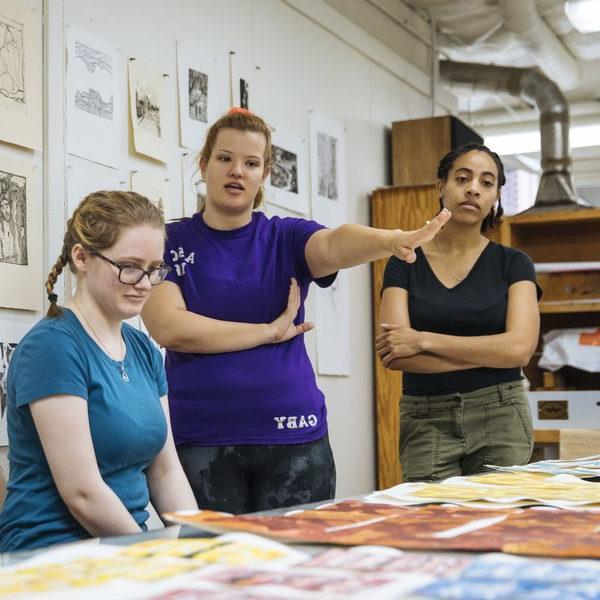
x,y
447,163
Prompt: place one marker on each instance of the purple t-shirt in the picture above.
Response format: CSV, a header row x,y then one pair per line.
x,y
264,395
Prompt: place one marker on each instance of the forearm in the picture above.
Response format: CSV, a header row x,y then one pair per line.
x,y
350,245
100,512
503,350
425,362
190,332
170,491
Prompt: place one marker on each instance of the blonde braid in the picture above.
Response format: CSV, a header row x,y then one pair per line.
x,y
61,262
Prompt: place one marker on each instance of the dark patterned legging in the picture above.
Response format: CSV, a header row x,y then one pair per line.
x,y
242,479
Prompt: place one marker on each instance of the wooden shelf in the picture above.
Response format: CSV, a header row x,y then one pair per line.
x,y
546,436
559,216
569,307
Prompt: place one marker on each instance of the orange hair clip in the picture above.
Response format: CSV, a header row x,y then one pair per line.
x,y
240,111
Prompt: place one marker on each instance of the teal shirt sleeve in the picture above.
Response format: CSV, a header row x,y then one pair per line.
x,y
51,363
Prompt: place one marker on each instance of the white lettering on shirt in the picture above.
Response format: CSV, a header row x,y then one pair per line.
x,y
179,255
295,422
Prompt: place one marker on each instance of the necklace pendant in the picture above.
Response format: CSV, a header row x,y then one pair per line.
x,y
124,375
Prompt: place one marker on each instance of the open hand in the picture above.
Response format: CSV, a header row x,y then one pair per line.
x,y
283,328
397,342
403,243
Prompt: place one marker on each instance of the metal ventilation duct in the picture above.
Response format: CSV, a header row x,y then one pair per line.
x,y
557,187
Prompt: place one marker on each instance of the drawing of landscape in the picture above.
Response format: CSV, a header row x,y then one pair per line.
x,y
92,102
198,95
147,109
13,218
12,61
93,59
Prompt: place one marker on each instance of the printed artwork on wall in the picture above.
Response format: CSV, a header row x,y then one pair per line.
x,y
286,185
245,81
6,351
328,202
20,74
147,108
20,235
193,186
154,187
94,120
201,84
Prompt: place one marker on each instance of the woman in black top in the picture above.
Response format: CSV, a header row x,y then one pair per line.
x,y
460,322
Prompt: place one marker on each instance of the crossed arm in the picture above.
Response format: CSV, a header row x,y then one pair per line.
x,y
170,323
63,427
402,348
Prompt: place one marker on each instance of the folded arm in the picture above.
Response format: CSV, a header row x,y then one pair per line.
x,y
63,427
394,309
173,326
512,348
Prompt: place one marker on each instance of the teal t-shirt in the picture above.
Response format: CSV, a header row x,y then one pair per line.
x,y
127,424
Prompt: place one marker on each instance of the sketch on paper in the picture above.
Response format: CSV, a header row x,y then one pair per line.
x,y
244,93
198,95
327,162
6,351
284,170
93,97
92,102
13,219
147,108
194,187
93,59
12,61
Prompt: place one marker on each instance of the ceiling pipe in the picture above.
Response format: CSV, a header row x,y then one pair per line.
x,y
557,186
523,19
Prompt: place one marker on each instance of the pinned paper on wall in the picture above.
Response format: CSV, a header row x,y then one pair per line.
x,y
21,74
94,117
245,80
286,185
193,186
20,235
6,352
154,187
147,107
328,202
202,88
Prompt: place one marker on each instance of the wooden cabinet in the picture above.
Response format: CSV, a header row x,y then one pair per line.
x,y
419,144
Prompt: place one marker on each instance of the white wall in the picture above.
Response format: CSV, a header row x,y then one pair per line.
x,y
312,59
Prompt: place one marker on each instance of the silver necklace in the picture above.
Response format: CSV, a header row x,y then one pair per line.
x,y
459,279
120,363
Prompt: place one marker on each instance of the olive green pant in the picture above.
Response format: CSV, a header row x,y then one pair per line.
x,y
458,434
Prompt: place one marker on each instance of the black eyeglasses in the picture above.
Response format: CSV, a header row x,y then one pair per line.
x,y
132,275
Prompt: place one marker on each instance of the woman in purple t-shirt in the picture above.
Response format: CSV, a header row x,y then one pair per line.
x,y
248,418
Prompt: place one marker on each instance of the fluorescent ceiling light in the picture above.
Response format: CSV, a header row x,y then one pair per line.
x,y
584,14
523,142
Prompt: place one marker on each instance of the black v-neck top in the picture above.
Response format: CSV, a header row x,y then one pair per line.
x,y
476,306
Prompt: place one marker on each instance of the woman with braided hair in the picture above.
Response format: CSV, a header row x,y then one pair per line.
x,y
88,422
460,322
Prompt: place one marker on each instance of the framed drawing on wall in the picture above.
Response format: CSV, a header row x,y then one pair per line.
x,y
20,235
20,74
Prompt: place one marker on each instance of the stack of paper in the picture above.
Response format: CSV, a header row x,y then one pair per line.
x,y
588,466
497,490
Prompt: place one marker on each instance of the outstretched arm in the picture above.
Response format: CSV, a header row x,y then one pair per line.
x,y
513,348
173,326
330,250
